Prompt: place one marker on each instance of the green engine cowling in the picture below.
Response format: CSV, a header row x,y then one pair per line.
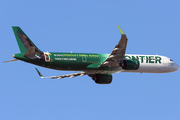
x,y
130,64
102,78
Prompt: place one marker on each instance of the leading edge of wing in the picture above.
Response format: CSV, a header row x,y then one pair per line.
x,y
62,76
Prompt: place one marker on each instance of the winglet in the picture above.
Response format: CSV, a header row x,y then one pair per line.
x,y
122,33
39,73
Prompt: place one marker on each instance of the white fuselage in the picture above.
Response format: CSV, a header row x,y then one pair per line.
x,y
148,64
153,64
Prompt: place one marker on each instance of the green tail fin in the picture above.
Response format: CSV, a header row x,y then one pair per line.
x,y
23,41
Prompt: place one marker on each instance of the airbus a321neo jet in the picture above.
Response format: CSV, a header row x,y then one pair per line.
x,y
99,67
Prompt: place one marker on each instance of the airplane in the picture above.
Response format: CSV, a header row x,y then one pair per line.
x,y
99,67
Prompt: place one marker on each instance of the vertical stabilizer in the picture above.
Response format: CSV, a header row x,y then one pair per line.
x,y
23,41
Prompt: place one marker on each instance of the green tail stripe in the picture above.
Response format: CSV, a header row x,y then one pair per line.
x,y
23,41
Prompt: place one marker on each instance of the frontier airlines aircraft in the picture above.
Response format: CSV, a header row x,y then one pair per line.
x,y
99,67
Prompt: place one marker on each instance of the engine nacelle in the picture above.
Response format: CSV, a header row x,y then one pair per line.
x,y
130,64
102,78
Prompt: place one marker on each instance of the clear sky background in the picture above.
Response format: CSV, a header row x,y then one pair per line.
x,y
152,27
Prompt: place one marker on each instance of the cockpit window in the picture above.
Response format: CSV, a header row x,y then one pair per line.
x,y
171,60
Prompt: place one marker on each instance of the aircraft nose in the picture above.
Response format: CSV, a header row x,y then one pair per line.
x,y
173,66
176,66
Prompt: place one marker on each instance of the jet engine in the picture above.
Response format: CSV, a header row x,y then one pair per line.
x,y
102,78
130,64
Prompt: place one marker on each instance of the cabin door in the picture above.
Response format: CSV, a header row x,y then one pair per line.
x,y
47,56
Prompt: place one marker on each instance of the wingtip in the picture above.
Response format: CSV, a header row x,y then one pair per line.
x,y
122,33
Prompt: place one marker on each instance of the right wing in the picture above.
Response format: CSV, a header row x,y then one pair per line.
x,y
117,53
62,76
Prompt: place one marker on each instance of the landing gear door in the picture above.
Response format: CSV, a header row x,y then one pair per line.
x,y
47,56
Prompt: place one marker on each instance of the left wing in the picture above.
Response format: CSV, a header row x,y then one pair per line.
x,y
62,76
117,55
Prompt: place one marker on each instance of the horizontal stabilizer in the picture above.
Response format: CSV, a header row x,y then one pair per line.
x,y
10,60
